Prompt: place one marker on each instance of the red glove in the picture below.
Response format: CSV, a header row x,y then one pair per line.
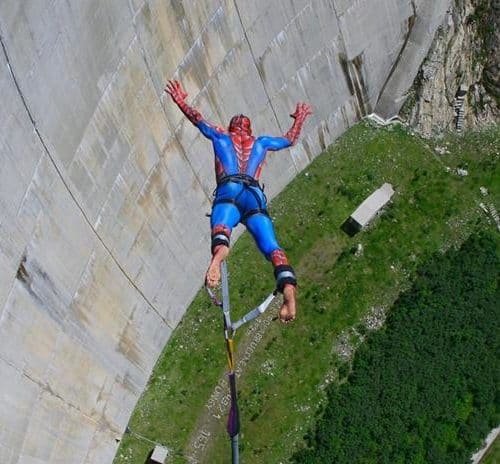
x,y
178,94
302,111
175,90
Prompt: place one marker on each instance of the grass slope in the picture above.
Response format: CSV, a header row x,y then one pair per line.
x,y
423,389
493,454
284,381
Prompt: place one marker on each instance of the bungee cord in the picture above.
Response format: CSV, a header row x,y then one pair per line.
x,y
233,419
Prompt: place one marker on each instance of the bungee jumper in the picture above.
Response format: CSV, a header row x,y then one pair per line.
x,y
239,198
239,157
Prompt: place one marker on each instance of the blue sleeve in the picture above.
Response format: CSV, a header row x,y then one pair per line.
x,y
274,143
209,131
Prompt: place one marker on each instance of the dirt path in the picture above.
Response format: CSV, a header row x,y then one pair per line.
x,y
477,457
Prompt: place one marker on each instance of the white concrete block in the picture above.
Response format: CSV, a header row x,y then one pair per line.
x,y
367,210
160,454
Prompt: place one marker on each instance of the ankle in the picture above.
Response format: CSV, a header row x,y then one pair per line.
x,y
220,253
289,291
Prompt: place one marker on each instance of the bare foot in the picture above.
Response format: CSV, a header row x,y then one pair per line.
x,y
289,307
212,277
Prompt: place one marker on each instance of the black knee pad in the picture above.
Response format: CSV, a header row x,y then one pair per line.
x,y
284,275
220,237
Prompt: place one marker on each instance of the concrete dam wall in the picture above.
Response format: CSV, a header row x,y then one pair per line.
x,y
104,185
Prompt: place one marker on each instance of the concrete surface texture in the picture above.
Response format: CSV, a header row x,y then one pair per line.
x,y
369,208
104,186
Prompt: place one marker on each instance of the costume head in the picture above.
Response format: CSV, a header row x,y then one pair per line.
x,y
240,123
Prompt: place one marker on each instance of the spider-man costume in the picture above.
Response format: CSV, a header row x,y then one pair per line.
x,y
238,197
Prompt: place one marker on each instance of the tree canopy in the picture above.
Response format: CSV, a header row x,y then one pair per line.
x,y
425,388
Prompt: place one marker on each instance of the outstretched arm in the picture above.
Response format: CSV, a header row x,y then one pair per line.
x,y
290,138
178,94
302,111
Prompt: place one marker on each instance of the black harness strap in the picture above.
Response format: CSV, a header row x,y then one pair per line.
x,y
253,212
225,200
248,183
284,274
239,179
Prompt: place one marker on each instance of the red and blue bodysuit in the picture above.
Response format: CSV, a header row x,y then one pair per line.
x,y
238,197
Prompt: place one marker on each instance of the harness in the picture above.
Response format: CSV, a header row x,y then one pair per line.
x,y
249,184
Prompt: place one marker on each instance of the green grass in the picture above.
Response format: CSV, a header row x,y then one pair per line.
x,y
422,390
283,384
493,454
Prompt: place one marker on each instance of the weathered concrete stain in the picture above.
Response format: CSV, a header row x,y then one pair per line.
x,y
41,287
22,273
353,73
129,343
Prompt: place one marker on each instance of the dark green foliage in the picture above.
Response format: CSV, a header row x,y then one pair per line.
x,y
424,389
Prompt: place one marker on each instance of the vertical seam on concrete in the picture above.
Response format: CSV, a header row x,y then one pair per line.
x,y
245,35
398,58
176,137
342,38
59,173
332,3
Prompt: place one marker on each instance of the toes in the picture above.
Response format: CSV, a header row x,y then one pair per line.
x,y
212,279
285,317
211,282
